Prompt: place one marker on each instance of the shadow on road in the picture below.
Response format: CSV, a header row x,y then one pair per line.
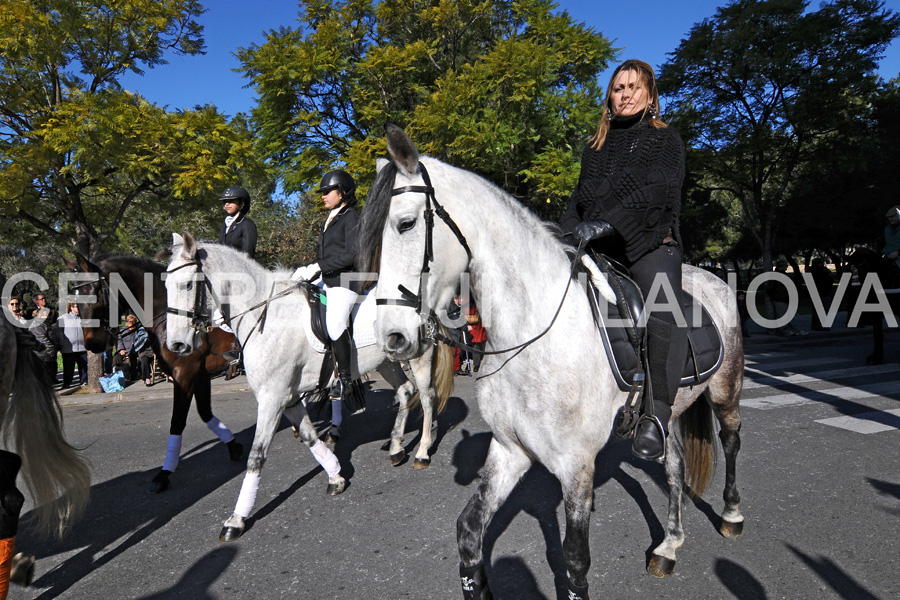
x,y
196,581
121,514
834,576
739,581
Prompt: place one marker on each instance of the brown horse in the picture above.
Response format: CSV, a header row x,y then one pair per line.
x,y
191,373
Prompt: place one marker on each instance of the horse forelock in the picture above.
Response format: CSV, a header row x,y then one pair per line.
x,y
373,219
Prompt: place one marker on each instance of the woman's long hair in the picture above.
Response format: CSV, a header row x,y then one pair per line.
x,y
648,81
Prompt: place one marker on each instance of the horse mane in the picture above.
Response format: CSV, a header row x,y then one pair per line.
x,y
374,216
131,260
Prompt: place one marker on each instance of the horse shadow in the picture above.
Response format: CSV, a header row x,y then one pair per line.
x,y
376,423
196,581
121,515
739,581
539,495
834,576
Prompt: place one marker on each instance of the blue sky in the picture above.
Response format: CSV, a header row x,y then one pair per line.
x,y
647,29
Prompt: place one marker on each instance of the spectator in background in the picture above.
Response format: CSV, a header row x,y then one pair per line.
x,y
14,306
71,344
477,335
891,248
823,281
131,341
777,292
44,330
40,301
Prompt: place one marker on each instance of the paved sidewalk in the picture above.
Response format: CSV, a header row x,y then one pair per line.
x,y
136,390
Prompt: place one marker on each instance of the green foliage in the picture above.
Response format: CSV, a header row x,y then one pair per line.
x,y
505,88
79,156
764,89
290,236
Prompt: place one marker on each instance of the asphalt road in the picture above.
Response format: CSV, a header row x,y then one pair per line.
x,y
818,476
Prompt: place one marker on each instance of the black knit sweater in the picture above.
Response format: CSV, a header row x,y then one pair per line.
x,y
633,182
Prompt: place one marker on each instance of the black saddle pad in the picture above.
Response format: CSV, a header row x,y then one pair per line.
x,y
705,349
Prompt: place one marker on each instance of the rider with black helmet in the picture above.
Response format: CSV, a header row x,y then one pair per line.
x,y
238,231
336,259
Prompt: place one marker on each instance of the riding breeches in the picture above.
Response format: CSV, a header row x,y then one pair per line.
x,y
658,274
337,310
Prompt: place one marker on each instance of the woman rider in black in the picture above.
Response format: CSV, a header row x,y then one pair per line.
x,y
238,231
627,205
335,260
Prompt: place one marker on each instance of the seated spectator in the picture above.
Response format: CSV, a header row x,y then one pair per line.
x,y
131,341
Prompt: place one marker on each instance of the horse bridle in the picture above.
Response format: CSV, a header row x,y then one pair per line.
x,y
201,322
429,328
103,280
408,298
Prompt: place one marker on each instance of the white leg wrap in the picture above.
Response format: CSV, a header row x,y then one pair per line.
x,y
247,499
219,428
326,458
173,453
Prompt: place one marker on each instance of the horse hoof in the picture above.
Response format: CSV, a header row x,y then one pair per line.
x,y
397,459
731,530
21,571
296,432
235,450
660,566
160,483
230,534
336,488
421,463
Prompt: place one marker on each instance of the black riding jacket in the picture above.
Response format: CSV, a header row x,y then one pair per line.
x,y
241,236
338,247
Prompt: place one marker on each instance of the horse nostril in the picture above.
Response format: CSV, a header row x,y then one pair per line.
x,y
395,342
179,348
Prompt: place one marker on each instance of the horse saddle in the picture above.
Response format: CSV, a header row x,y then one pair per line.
x,y
361,325
622,331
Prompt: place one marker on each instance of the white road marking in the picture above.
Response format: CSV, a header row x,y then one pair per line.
x,y
870,422
821,375
829,395
793,365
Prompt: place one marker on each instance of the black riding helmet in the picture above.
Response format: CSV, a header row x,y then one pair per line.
x,y
237,194
341,181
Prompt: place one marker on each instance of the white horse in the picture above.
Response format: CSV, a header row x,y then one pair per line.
x,y
561,414
55,474
279,360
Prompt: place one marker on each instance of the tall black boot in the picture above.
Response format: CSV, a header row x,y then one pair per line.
x,y
342,350
666,356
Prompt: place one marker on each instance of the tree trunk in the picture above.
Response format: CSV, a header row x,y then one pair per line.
x,y
95,371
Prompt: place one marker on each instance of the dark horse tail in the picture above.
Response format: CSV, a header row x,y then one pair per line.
x,y
698,440
56,476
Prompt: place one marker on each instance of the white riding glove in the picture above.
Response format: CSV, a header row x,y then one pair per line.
x,y
305,273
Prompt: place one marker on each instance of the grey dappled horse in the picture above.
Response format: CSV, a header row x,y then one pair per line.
x,y
561,413
279,361
55,474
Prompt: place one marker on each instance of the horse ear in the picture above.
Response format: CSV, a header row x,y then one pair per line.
x,y
401,150
83,264
380,163
69,264
190,246
177,240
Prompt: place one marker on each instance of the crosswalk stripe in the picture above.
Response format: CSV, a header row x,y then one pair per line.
x,y
870,422
821,375
829,395
793,365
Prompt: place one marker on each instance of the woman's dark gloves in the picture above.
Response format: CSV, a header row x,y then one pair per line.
x,y
586,231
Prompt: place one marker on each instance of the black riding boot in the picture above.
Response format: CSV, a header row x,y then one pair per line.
x,y
341,348
666,356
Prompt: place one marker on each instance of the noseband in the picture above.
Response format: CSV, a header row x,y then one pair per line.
x,y
200,321
407,297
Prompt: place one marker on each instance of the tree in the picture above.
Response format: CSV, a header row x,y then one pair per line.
x,y
505,88
763,87
78,153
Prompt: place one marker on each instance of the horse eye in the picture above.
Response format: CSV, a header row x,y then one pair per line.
x,y
188,285
406,225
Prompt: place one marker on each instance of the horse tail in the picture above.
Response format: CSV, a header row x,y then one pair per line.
x,y
442,372
56,476
697,434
